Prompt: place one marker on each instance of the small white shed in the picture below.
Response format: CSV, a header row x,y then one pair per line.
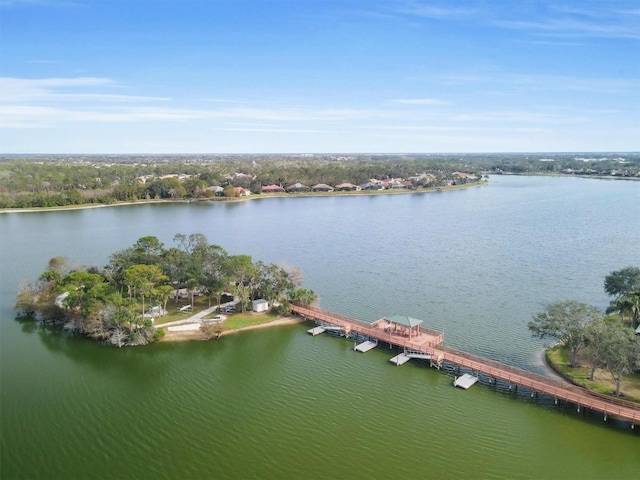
x,y
260,305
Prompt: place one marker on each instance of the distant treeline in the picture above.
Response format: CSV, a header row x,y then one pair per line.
x,y
48,181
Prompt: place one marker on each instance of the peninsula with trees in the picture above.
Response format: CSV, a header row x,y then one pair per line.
x,y
588,342
147,285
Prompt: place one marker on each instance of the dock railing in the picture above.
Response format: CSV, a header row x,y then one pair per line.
x,y
526,378
536,383
369,329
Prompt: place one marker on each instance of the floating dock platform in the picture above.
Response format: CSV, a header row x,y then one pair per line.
x,y
466,381
400,359
316,331
365,346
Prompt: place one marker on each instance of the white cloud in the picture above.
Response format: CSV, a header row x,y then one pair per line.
x,y
570,28
419,101
418,9
508,117
270,130
590,19
49,102
22,89
535,82
40,3
29,116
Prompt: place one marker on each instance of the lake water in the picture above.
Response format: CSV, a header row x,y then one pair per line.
x,y
278,403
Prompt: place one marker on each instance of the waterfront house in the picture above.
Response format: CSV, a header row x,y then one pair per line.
x,y
398,185
297,187
347,187
272,189
216,190
371,186
241,192
466,177
322,187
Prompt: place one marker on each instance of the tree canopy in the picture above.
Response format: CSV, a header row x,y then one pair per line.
x,y
624,286
622,282
613,348
565,322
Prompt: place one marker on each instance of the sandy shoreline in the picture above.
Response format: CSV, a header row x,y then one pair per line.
x,y
196,335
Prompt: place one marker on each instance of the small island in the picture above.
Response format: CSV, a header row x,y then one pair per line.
x,y
147,290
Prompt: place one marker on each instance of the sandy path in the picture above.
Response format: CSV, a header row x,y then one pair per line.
x,y
197,334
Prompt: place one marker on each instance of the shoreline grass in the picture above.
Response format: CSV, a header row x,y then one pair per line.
x,y
557,358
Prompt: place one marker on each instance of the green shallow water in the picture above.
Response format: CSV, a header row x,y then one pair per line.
x,y
279,403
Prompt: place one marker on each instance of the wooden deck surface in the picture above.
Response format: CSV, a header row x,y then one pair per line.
x,y
429,342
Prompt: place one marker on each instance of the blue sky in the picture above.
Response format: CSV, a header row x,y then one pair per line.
x,y
312,76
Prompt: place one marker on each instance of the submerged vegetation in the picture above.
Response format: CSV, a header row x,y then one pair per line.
x,y
50,181
589,342
119,303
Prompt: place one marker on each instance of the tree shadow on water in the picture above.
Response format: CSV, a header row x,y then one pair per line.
x,y
130,364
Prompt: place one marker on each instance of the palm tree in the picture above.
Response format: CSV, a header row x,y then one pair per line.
x,y
620,305
634,307
629,303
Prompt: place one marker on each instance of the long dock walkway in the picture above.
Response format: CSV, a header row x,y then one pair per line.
x,y
430,342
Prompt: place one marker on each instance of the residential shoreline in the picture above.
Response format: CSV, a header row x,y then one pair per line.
x,y
244,198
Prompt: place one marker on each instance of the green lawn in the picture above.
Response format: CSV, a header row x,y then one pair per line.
x,y
233,321
199,303
240,320
558,359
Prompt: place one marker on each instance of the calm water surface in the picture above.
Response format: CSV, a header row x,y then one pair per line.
x,y
278,403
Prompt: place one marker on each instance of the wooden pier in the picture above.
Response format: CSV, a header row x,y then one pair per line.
x,y
429,343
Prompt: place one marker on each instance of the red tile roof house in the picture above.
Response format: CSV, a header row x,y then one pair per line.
x,y
272,189
322,187
464,176
241,192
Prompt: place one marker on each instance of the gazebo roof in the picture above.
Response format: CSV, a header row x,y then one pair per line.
x,y
404,320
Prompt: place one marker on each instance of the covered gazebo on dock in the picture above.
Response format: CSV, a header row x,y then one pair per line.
x,y
399,325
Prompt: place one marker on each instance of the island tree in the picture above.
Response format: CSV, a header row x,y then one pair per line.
x,y
243,274
143,279
621,282
565,322
614,348
624,286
